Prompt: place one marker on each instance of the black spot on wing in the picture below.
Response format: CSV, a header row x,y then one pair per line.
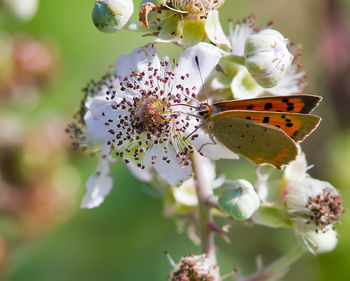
x,y
268,105
289,125
266,119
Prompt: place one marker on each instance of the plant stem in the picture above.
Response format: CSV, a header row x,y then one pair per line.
x,y
204,193
277,269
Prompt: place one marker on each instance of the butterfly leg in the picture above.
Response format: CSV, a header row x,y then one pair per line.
x,y
195,130
208,143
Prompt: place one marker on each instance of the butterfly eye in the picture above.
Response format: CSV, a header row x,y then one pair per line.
x,y
203,112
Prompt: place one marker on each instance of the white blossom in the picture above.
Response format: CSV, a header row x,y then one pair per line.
x,y
145,113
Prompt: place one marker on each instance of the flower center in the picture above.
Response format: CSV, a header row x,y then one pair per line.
x,y
325,207
153,115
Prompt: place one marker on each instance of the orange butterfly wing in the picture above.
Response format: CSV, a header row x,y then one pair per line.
x,y
290,104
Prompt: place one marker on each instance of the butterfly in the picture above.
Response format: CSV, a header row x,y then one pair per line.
x,y
265,129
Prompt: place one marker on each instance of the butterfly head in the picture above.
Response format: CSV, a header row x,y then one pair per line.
x,y
205,110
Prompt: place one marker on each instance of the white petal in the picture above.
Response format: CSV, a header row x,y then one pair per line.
x,y
174,172
186,193
140,59
296,171
99,185
238,36
96,118
208,149
290,83
214,30
323,241
243,86
142,174
208,57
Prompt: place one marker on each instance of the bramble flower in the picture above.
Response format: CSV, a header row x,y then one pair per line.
x,y
185,22
143,113
112,15
311,206
194,268
237,82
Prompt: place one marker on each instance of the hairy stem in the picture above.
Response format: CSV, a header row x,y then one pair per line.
x,y
205,195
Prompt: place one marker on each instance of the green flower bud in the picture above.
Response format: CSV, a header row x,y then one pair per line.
x,y
238,199
112,15
267,57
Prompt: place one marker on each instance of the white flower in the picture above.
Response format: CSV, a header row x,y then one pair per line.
x,y
99,184
193,267
112,15
313,207
146,112
312,204
242,84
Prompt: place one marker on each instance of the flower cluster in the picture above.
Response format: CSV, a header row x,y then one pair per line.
x,y
159,117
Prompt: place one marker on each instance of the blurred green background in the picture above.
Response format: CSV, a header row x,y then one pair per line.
x,y
125,237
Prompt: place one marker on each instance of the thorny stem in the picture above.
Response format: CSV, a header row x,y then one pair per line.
x,y
205,194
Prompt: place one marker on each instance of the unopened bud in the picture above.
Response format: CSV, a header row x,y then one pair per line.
x,y
112,15
238,199
267,57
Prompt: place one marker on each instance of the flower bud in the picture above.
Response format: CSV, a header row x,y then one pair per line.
x,y
267,57
112,15
238,199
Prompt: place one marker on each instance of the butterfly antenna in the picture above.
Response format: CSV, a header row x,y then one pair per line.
x,y
200,75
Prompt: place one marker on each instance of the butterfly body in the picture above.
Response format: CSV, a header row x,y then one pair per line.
x,y
264,130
